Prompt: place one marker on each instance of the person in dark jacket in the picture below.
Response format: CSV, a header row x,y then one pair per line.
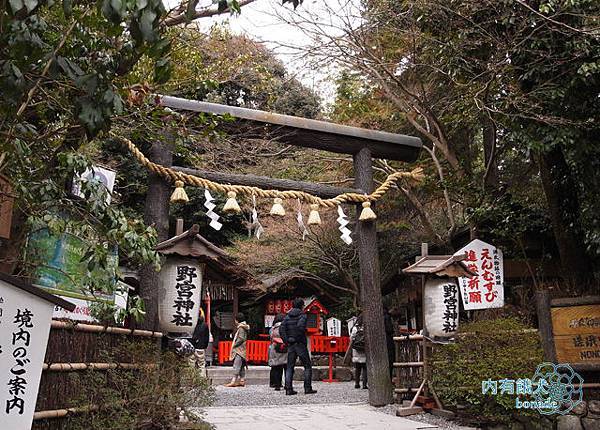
x,y
293,333
200,342
277,354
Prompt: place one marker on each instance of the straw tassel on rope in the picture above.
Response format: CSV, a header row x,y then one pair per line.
x,y
231,205
367,213
277,208
314,218
179,195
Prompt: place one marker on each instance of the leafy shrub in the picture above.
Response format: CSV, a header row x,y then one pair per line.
x,y
494,349
146,398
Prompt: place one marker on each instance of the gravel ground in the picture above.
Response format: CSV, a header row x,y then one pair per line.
x,y
257,395
341,392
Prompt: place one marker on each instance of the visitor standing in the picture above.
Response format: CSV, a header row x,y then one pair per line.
x,y
277,354
293,333
238,352
359,356
200,339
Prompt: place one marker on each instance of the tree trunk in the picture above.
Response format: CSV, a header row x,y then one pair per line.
x,y
380,386
490,180
563,205
156,213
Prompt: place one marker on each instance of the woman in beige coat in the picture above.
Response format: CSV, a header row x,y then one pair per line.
x,y
238,352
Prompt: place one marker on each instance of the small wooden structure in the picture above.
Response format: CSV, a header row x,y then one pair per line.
x,y
426,266
222,278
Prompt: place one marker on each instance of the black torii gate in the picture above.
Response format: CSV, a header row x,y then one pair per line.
x,y
361,143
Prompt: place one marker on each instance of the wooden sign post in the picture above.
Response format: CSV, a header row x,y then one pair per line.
x,y
570,330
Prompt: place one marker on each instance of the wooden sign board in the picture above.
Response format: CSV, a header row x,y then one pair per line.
x,y
577,333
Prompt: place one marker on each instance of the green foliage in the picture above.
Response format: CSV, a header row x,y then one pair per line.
x,y
493,349
148,397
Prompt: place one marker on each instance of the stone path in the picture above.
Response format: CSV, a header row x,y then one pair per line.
x,y
308,417
336,406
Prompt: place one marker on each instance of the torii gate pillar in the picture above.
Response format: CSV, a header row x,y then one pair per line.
x,y
380,385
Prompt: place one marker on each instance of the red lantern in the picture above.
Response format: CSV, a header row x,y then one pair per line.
x,y
278,306
270,307
287,305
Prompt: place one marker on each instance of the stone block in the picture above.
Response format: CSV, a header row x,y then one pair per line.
x,y
405,412
299,375
594,409
580,409
591,423
568,422
343,374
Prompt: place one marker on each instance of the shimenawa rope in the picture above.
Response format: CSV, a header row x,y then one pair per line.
x,y
171,175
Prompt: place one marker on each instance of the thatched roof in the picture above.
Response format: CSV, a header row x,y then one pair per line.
x,y
292,282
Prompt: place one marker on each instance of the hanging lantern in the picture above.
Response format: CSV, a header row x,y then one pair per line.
x,y
287,306
277,208
270,307
179,295
278,306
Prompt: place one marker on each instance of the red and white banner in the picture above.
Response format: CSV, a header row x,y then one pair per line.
x,y
486,290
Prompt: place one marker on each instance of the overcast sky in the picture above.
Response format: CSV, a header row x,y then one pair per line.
x,y
264,20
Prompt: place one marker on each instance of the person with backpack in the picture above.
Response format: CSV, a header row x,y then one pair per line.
x,y
293,333
359,356
277,354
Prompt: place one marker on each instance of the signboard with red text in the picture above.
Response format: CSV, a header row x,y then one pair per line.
x,y
486,290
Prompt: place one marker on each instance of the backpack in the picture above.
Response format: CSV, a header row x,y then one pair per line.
x,y
358,343
279,345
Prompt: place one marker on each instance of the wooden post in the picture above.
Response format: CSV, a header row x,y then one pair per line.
x,y
380,387
236,301
542,304
156,213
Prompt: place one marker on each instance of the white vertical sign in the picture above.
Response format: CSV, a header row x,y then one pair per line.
x,y
334,327
179,301
486,290
24,329
440,307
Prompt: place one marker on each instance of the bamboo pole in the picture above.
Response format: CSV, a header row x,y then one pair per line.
x,y
70,367
59,413
409,364
102,329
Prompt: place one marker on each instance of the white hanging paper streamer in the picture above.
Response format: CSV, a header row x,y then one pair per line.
x,y
300,219
214,218
258,228
343,223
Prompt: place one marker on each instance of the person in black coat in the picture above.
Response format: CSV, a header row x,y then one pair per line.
x,y
293,333
200,339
